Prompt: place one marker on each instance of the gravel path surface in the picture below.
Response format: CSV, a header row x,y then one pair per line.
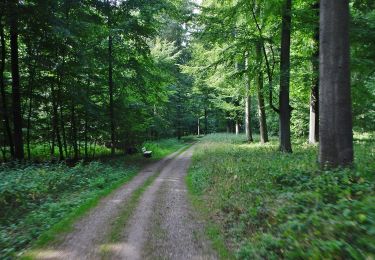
x,y
88,233
163,225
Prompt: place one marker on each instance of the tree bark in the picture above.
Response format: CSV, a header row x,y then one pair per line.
x,y
285,109
16,89
263,130
31,69
74,131
249,134
4,107
205,121
55,123
110,80
336,136
237,126
199,125
314,97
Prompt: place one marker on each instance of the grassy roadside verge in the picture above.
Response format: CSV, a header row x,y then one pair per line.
x,y
269,205
39,202
212,229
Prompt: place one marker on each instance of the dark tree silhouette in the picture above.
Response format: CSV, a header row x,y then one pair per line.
x,y
336,137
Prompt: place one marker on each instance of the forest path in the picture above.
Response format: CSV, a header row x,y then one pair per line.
x,y
162,225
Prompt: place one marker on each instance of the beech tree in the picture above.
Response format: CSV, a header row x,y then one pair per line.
x,y
16,88
336,137
285,108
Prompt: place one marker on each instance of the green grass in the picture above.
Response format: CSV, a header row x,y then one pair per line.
x,y
212,229
269,205
38,202
166,146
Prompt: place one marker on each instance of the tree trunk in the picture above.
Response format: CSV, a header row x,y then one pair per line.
x,y
336,136
16,89
249,134
74,131
237,126
55,124
31,88
285,109
263,130
314,97
205,121
110,80
199,125
4,108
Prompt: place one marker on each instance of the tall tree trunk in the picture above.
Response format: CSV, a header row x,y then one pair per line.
x,y
55,124
16,89
336,136
62,124
314,97
87,119
4,108
205,121
237,126
30,94
86,135
199,125
285,109
74,131
263,130
249,134
110,80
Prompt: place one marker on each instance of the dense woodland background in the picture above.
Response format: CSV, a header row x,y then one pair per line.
x,y
97,73
84,80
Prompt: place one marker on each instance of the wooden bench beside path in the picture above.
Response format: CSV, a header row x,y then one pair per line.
x,y
146,154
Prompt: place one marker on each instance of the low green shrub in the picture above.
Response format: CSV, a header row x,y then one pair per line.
x,y
34,198
271,205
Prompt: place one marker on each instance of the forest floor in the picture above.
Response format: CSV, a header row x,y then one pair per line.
x,y
147,218
264,204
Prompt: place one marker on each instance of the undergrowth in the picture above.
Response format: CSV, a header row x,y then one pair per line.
x,y
270,205
39,201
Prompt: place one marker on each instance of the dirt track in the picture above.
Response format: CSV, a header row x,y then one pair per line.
x,y
162,226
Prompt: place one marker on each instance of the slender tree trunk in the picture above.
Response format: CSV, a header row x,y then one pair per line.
x,y
336,136
62,125
205,121
110,80
263,130
55,124
314,97
4,108
52,147
249,134
16,89
87,119
86,136
199,127
74,131
237,126
285,109
29,113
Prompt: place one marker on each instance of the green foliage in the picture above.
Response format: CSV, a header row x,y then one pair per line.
x,y
166,146
270,205
35,197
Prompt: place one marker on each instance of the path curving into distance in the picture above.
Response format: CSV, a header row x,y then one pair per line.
x,y
162,225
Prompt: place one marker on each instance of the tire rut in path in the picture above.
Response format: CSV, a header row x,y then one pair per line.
x,y
89,233
164,225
